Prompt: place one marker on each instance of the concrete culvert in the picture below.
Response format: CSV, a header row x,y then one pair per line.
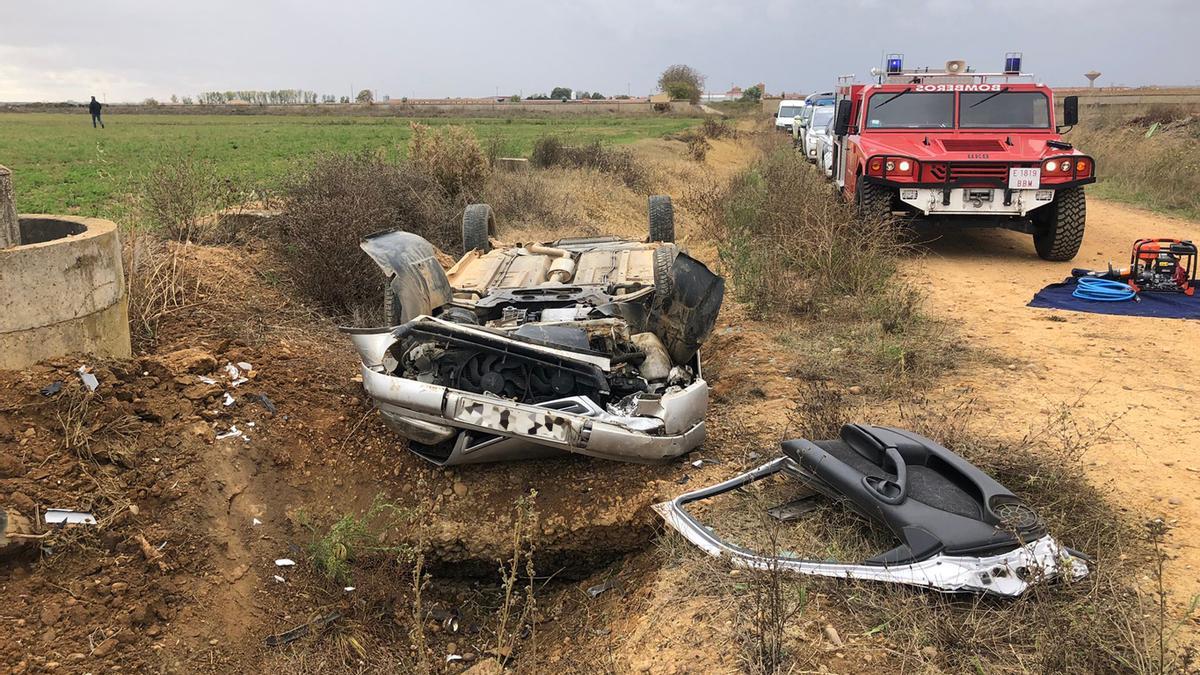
x,y
62,289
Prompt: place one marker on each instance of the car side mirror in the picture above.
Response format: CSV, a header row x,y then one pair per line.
x,y
1070,111
841,120
775,115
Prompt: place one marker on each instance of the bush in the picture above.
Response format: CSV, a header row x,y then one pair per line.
x,y
181,195
338,200
452,156
549,151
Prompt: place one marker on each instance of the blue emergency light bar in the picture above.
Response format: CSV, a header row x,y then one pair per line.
x,y
1012,63
895,63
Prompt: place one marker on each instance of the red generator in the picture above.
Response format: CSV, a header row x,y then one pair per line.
x,y
1163,265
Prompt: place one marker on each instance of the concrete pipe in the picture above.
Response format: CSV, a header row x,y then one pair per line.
x,y
62,291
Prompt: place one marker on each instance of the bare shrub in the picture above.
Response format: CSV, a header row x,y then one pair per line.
x,y
715,128
549,151
453,157
698,148
338,200
181,192
158,284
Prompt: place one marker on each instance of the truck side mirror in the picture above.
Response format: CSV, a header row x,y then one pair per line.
x,y
841,120
1070,111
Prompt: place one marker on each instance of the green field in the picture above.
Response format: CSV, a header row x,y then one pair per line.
x,y
61,165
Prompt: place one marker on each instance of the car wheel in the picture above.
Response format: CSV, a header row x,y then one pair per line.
x,y
662,219
478,226
1058,226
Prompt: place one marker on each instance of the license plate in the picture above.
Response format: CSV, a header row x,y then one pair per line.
x,y
1024,179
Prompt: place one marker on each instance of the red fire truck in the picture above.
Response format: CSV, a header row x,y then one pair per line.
x,y
973,149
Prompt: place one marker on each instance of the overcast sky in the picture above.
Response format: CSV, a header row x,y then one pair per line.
x,y
127,50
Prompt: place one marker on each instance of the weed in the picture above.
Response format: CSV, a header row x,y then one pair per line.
x,y
516,612
522,198
334,551
698,148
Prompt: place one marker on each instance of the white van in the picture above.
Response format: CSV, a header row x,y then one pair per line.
x,y
788,108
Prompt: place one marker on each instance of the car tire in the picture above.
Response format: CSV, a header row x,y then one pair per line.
x,y
1058,226
873,202
478,226
662,219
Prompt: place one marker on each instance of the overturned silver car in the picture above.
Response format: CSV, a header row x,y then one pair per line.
x,y
583,345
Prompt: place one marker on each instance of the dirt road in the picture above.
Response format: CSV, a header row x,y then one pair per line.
x,y
1138,373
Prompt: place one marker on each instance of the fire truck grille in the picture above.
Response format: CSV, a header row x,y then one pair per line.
x,y
970,171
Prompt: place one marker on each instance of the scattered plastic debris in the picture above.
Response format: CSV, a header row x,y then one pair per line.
x,y
596,590
451,658
266,402
704,460
205,379
232,371
255,521
300,631
284,562
227,401
52,388
348,589
246,367
279,579
89,380
232,433
65,517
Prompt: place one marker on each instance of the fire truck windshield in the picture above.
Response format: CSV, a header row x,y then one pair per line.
x,y
1003,109
911,110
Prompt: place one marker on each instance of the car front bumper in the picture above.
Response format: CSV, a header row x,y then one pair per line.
x,y
661,427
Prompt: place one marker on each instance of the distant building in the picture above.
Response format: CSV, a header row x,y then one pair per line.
x,y
734,94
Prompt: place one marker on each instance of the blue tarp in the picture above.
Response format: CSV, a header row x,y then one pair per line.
x,y
1160,305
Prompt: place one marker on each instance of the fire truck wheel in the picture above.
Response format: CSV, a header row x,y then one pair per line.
x,y
662,219
1058,226
874,201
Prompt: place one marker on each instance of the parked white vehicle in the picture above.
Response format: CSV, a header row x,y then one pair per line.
x,y
788,110
821,115
825,146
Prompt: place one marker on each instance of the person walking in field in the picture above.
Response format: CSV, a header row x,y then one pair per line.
x,y
94,108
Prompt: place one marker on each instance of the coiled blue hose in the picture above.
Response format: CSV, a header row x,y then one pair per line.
x,y
1103,290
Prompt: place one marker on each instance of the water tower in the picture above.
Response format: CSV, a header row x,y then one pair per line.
x,y
1091,76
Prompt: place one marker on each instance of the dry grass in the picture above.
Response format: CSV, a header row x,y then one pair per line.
x,y
792,248
1160,171
551,151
